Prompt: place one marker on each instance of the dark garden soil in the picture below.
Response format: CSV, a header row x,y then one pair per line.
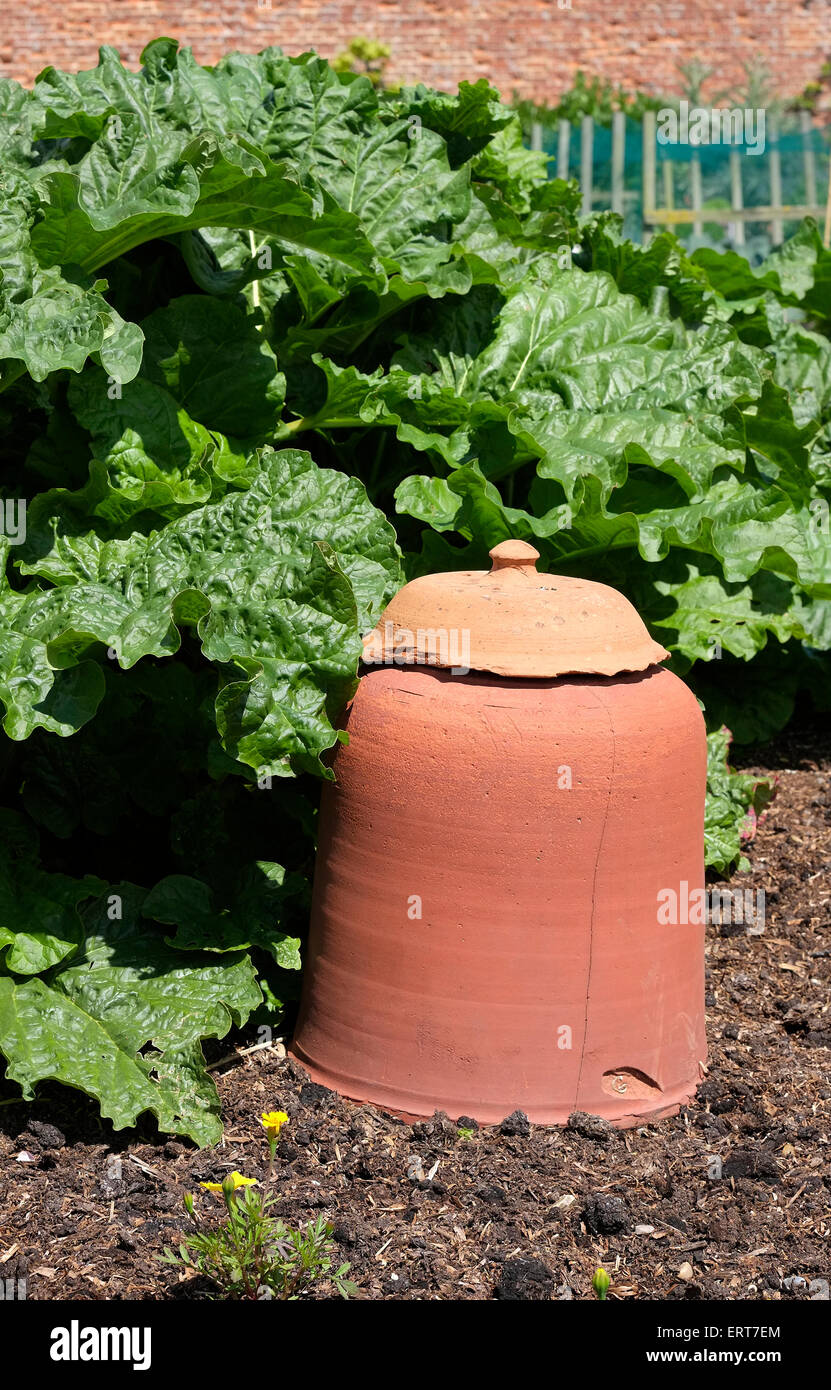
x,y
507,1214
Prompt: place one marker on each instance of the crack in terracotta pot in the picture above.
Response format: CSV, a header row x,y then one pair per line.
x,y
594,904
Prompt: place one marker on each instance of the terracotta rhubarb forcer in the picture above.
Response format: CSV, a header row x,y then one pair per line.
x,y
487,932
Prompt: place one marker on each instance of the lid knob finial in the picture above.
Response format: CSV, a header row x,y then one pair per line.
x,y
516,555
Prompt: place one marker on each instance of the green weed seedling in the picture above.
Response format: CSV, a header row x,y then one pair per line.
x,y
256,1256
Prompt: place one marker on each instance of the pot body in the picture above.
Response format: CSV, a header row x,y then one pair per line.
x,y
487,927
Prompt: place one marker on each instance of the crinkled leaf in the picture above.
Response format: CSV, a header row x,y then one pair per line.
x,y
121,1019
279,582
253,919
733,801
39,919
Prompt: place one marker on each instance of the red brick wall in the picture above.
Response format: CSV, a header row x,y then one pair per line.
x,y
534,46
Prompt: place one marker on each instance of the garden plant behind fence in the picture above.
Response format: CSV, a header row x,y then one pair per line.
x,y
653,185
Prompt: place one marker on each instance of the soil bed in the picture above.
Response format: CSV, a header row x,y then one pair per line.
x,y
506,1214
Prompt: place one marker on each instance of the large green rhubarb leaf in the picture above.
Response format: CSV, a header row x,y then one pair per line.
x,y
279,581
49,320
158,439
127,191
253,919
122,1019
39,919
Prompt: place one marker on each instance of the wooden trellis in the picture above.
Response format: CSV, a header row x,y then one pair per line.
x,y
666,213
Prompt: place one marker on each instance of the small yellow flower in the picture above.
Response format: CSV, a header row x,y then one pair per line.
x,y
273,1121
236,1178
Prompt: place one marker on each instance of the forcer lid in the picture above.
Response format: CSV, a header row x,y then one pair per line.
x,y
513,621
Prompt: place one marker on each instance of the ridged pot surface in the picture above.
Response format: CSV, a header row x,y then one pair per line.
x,y
485,930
